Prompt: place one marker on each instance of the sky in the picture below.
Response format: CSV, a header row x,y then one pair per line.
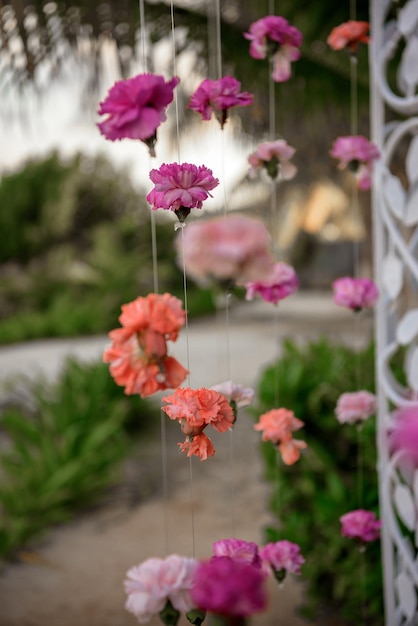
x,y
32,125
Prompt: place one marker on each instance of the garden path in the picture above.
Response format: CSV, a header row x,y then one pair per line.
x,y
74,578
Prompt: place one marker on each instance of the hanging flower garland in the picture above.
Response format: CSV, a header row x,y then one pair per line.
x,y
358,154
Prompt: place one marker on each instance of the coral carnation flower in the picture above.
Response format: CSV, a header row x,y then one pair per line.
x,y
198,445
219,96
131,368
277,426
136,107
349,35
161,314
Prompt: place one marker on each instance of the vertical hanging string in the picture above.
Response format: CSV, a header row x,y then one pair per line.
x,y
176,101
154,252
182,226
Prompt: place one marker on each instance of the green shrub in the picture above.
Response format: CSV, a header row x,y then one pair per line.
x,y
79,246
65,444
309,497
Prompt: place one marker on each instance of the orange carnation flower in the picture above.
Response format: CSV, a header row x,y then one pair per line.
x,y
161,314
195,409
133,369
349,35
199,445
277,426
138,354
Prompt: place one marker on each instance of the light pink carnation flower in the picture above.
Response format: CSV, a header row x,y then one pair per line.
x,y
180,187
218,96
242,396
283,556
238,549
355,293
358,153
155,581
404,434
355,407
361,525
274,36
282,282
136,107
227,249
274,157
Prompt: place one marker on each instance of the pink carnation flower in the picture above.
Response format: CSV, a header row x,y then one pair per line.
x,y
155,581
404,434
229,587
277,426
356,152
231,249
355,407
282,282
274,157
136,107
361,525
180,188
355,293
238,549
274,36
349,35
283,556
218,96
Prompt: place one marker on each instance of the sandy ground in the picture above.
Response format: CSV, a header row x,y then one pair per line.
x,y
74,576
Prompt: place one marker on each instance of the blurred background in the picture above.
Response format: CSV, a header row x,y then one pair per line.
x,y
73,214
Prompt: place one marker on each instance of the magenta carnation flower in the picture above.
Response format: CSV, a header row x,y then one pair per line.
x,y
218,96
238,549
358,153
355,293
180,188
281,283
229,587
227,249
136,107
355,407
274,37
274,157
155,581
282,556
404,434
361,525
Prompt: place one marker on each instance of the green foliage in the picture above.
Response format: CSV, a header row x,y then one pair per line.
x,y
64,445
78,247
310,496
